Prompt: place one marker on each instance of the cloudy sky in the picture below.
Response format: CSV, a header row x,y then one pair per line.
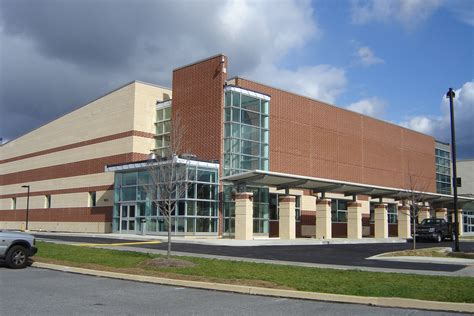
x,y
391,59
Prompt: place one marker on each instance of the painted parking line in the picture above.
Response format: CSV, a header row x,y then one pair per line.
x,y
122,243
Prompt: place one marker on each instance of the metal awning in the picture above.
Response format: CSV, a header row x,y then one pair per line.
x,y
321,185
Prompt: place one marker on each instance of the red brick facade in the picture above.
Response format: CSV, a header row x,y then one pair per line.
x,y
70,214
198,104
311,138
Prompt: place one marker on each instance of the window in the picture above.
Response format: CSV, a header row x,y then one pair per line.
x,y
47,200
246,120
392,213
92,198
163,128
274,209
339,211
197,203
13,203
443,171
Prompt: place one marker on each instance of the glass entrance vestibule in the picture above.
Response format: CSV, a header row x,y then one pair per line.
x,y
138,209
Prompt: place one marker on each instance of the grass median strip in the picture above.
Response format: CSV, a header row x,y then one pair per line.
x,y
122,243
439,252
436,288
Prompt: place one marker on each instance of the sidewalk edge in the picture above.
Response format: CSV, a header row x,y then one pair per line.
x,y
339,298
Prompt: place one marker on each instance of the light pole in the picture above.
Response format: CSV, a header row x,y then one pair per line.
x,y
450,95
27,203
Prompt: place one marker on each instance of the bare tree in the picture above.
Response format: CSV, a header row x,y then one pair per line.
x,y
168,178
415,198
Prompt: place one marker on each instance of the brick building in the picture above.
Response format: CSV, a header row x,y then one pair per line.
x,y
83,169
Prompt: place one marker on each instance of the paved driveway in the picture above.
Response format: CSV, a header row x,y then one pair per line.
x,y
346,255
35,291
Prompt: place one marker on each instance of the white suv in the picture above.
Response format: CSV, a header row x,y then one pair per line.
x,y
16,248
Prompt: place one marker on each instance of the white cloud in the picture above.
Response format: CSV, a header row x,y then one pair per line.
x,y
463,10
440,126
367,57
374,107
322,82
107,45
407,12
422,124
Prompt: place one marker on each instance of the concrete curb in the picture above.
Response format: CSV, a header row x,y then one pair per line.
x,y
419,259
233,242
339,298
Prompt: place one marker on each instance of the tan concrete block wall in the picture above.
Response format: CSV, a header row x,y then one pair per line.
x,y
143,145
6,204
308,203
62,183
105,198
365,206
96,119
80,199
145,105
103,149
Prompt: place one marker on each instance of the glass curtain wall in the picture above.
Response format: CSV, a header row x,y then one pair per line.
x,y
246,139
196,212
443,171
339,211
246,126
163,128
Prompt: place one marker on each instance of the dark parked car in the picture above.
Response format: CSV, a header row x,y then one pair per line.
x,y
16,248
435,228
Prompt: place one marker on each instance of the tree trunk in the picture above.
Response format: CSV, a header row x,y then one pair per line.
x,y
414,230
168,253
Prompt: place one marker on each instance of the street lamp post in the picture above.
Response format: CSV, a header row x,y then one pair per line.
x,y
450,95
27,203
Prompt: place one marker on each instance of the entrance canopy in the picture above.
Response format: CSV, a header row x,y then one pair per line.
x,y
321,185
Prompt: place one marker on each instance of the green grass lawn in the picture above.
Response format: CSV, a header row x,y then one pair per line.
x,y
437,288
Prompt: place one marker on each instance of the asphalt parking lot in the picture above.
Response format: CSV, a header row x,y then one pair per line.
x,y
332,254
34,291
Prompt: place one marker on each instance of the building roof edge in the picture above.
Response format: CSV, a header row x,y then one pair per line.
x,y
329,104
198,61
83,105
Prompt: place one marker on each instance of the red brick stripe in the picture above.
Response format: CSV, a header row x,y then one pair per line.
x,y
78,168
80,144
64,191
70,214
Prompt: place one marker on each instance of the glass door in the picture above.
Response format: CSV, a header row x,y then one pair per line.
x,y
468,222
127,218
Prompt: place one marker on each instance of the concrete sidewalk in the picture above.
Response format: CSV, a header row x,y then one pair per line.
x,y
365,300
233,242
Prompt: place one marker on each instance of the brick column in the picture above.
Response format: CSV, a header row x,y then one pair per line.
x,y
423,213
442,213
244,216
323,219
404,222
287,224
381,221
354,220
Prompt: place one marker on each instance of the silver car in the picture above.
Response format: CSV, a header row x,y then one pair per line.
x,y
16,248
